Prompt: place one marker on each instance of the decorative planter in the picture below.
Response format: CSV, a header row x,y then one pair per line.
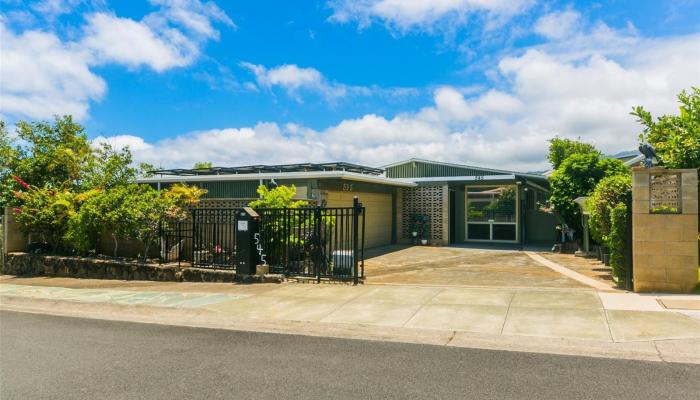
x,y
424,242
606,259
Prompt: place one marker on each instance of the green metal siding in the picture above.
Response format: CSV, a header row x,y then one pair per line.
x,y
417,169
226,190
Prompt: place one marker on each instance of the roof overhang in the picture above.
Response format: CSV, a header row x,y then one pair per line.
x,y
498,172
470,179
350,176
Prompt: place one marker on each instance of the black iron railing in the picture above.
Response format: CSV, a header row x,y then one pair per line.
x,y
206,239
314,242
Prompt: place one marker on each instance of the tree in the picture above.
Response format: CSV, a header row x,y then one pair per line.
x,y
676,138
561,148
108,168
44,213
280,197
610,191
8,156
203,165
577,176
45,155
130,211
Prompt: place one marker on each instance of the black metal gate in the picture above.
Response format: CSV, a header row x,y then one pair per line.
x,y
312,242
206,239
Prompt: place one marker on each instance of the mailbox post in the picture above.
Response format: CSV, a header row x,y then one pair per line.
x,y
247,256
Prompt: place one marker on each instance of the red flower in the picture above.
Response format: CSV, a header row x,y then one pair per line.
x,y
20,181
18,210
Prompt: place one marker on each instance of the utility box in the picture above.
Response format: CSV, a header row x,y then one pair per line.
x,y
247,240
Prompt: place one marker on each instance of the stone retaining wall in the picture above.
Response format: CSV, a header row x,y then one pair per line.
x,y
24,264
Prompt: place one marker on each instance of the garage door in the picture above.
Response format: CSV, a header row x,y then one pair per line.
x,y
378,214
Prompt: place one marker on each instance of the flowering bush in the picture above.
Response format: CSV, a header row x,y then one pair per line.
x,y
44,213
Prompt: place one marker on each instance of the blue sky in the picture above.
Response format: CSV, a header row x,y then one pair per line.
x,y
482,82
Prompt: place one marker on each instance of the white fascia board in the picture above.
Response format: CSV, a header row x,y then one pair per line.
x,y
634,160
484,178
351,176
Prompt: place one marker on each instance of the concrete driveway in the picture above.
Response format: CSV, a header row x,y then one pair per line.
x,y
457,266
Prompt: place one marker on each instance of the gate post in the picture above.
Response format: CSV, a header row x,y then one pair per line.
x,y
318,252
628,245
356,210
247,230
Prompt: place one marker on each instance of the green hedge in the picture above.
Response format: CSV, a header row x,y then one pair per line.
x,y
617,240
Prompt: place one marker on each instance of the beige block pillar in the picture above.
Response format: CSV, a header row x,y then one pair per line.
x,y
398,212
445,216
12,237
665,245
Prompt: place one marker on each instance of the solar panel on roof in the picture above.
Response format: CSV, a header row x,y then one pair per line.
x,y
254,169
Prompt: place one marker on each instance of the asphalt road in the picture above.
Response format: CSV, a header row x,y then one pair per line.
x,y
48,357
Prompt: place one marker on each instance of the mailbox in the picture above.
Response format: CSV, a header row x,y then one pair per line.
x,y
247,236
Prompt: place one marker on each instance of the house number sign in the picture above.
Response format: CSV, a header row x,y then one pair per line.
x,y
665,193
347,187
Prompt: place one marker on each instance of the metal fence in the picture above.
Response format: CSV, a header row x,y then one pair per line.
x,y
2,240
314,242
206,239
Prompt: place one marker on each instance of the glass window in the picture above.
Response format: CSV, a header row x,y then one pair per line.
x,y
495,203
479,231
504,232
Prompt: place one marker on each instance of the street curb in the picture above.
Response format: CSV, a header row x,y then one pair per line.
x,y
666,350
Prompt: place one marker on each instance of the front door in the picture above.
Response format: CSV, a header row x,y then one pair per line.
x,y
492,213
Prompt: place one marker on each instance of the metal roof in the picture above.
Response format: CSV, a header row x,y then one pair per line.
x,y
458,170
261,169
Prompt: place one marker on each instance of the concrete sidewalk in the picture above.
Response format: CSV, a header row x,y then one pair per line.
x,y
571,321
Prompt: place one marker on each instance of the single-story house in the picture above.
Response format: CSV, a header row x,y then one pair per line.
x,y
404,201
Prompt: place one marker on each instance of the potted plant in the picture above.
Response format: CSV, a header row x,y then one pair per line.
x,y
424,234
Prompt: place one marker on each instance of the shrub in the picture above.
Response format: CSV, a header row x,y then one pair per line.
x,y
617,240
578,176
44,214
609,192
127,212
280,197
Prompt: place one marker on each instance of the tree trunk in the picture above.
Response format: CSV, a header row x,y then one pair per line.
x,y
116,244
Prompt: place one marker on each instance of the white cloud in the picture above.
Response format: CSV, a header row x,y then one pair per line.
x,y
404,15
43,75
194,15
293,78
124,41
54,8
297,80
133,143
558,25
584,85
